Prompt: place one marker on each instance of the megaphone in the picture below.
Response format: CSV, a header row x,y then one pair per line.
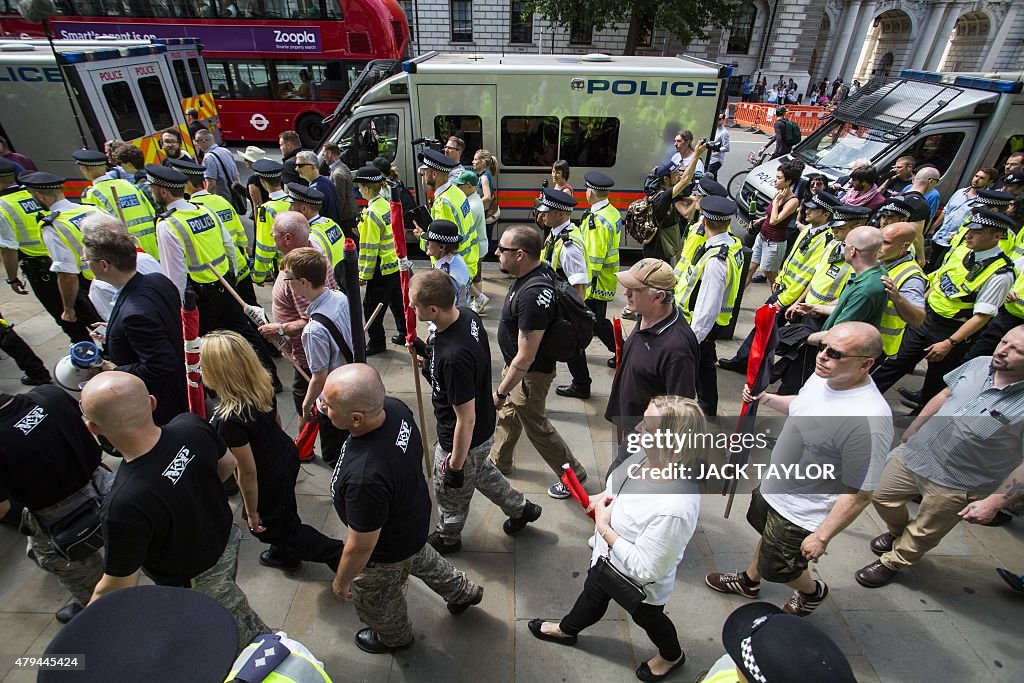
x,y
78,367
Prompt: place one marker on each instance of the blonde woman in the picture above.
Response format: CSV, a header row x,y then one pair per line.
x,y
486,168
268,463
642,524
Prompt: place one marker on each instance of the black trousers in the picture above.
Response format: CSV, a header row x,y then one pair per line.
x,y
743,352
331,439
707,376
912,351
350,229
387,290
936,255
246,290
219,311
44,285
990,335
593,603
288,537
26,359
603,331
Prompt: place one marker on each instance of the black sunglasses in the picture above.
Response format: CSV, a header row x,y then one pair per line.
x,y
504,249
836,355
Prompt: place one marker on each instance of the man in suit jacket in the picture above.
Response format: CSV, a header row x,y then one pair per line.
x,y
143,335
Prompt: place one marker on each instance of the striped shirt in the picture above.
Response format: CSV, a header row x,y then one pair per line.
x,y
976,438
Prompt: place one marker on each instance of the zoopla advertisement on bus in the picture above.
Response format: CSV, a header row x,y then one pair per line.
x,y
225,38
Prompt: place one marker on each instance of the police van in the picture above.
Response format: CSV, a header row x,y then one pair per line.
x,y
617,115
127,93
957,122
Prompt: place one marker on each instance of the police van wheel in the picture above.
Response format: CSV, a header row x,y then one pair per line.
x,y
310,129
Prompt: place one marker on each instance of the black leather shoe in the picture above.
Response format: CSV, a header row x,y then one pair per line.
x,y
610,362
875,575
474,599
372,349
531,513
368,641
398,339
68,612
534,627
1012,580
732,365
912,396
644,673
573,391
880,545
268,560
30,381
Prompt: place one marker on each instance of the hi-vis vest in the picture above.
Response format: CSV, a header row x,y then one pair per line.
x,y
21,212
453,205
687,287
552,252
200,236
376,240
958,242
955,285
265,254
226,213
799,266
831,274
135,209
601,233
1016,308
331,239
692,242
287,666
67,224
892,326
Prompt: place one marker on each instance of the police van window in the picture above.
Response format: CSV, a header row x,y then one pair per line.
x,y
589,141
469,128
122,106
197,76
182,77
1014,145
529,140
370,137
156,102
936,150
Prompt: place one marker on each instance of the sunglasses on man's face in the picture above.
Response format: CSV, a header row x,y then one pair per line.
x,y
834,354
502,249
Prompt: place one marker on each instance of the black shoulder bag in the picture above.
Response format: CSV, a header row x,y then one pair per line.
x,y
623,589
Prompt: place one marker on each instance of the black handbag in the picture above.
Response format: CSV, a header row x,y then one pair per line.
x,y
621,588
79,534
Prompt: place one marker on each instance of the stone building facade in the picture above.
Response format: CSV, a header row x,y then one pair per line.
x,y
806,40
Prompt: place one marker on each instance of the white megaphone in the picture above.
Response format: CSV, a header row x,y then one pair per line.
x,y
78,367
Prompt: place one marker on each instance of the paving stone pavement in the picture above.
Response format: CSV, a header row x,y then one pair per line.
x,y
948,619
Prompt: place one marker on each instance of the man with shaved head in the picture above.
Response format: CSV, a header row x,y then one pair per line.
x,y
840,419
380,494
166,514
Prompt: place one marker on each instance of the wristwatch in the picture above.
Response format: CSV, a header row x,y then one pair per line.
x,y
280,330
501,396
952,342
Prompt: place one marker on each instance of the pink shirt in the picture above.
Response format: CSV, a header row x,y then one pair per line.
x,y
288,307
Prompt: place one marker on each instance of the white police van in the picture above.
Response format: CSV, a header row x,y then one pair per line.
x,y
957,122
617,115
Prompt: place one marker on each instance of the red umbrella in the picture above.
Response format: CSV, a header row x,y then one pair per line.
x,y
193,373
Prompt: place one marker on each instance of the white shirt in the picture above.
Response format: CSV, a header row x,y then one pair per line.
x,y
850,429
685,164
172,251
64,260
103,295
722,136
572,260
711,290
278,194
993,293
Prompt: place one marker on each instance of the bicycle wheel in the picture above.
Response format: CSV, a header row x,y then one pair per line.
x,y
736,184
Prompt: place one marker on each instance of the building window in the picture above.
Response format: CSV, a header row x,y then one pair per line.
x,y
742,30
529,140
462,21
589,141
581,33
520,23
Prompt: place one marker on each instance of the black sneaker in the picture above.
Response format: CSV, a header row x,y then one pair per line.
x,y
474,599
68,612
442,548
30,381
531,513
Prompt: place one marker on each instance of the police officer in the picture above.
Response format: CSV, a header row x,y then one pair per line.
x,y
196,248
63,239
993,200
965,293
196,192
51,464
707,292
265,254
693,236
601,228
563,247
117,197
450,204
324,233
378,260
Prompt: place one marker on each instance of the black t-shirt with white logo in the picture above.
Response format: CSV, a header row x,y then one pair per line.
x,y
534,310
167,511
46,453
459,370
378,484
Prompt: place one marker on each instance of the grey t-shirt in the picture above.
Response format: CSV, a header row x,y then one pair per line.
x,y
321,351
221,167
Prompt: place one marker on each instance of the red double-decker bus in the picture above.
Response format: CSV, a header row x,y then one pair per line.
x,y
274,65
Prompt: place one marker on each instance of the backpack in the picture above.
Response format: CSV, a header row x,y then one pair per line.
x,y
573,328
791,134
638,221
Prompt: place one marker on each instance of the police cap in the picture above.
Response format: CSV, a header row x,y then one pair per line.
x,y
165,176
717,209
431,158
1015,178
89,157
555,200
709,187
7,168
824,200
993,198
368,174
41,181
596,180
188,167
268,168
896,207
443,231
846,213
305,194
986,218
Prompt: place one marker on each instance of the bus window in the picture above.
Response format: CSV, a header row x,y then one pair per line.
x,y
156,102
469,128
122,106
589,141
182,77
197,76
251,80
529,140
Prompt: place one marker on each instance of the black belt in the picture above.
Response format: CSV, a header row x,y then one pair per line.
x,y
953,323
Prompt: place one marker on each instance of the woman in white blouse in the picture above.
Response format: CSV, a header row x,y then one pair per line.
x,y
643,522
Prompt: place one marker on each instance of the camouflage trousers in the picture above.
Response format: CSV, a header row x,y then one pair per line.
x,y
379,591
219,583
481,475
78,577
